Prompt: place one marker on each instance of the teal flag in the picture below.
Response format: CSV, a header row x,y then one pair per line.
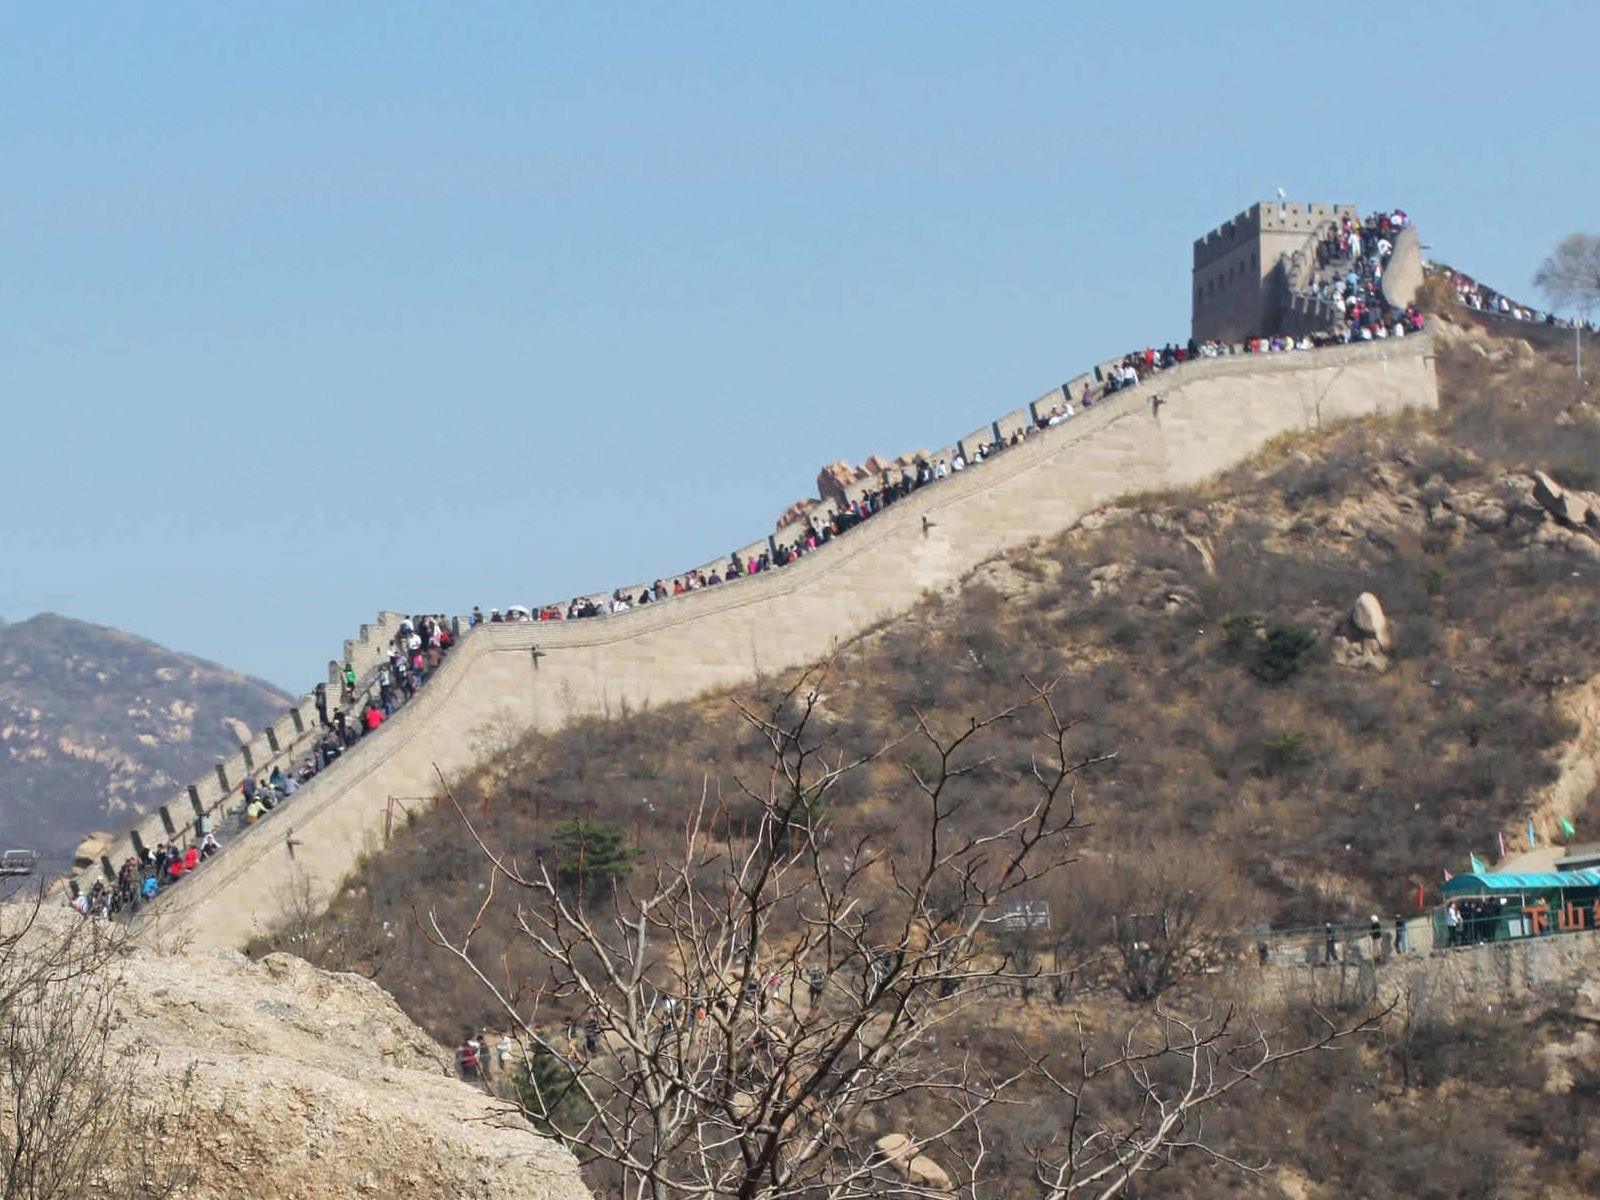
x,y
1533,841
1477,865
1567,831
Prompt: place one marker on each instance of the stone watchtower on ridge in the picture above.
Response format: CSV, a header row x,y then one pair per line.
x,y
1247,270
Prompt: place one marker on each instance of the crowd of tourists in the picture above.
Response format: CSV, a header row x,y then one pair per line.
x,y
823,524
1472,294
1473,920
141,879
1482,298
1352,257
415,654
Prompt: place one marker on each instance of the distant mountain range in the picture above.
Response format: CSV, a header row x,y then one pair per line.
x,y
98,727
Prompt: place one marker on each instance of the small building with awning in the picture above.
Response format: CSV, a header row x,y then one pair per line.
x,y
1498,907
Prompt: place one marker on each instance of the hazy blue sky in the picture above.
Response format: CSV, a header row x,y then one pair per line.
x,y
309,310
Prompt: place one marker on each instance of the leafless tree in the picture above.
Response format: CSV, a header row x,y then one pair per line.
x,y
1416,1009
1159,915
1135,1106
74,1119
353,938
768,989
1570,277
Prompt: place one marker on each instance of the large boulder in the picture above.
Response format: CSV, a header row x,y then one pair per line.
x,y
923,1172
833,479
293,1081
1403,274
1570,508
900,1152
89,851
896,1148
1485,513
1368,617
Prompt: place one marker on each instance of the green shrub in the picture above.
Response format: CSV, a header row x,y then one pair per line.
x,y
591,853
1283,651
549,1094
1242,629
1284,753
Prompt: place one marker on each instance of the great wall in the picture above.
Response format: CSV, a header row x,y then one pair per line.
x,y
1176,428
503,679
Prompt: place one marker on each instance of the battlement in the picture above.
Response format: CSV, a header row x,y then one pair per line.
x,y
285,742
1266,217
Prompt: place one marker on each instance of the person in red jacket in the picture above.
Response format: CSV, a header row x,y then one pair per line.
x,y
374,717
191,858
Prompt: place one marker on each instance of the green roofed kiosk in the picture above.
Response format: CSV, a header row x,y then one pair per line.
x,y
1496,908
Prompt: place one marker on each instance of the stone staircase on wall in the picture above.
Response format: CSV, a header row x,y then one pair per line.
x,y
1305,312
284,743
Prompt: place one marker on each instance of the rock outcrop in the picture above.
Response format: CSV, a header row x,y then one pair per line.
x,y
918,1169
836,479
1368,617
90,849
1365,642
314,1085
1575,510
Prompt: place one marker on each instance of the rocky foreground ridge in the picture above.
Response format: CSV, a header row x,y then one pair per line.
x,y
292,1082
99,726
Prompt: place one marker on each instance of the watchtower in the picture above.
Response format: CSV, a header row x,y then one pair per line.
x,y
1243,268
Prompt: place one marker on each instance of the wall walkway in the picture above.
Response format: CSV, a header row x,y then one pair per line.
x,y
284,743
502,680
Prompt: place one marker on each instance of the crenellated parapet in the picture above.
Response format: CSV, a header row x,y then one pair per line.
x,y
284,743
1246,269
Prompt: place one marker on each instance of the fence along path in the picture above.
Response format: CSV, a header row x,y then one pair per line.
x,y
502,680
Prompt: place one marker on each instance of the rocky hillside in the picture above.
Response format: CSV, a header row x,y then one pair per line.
x,y
1343,667
1323,677
215,1078
98,726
